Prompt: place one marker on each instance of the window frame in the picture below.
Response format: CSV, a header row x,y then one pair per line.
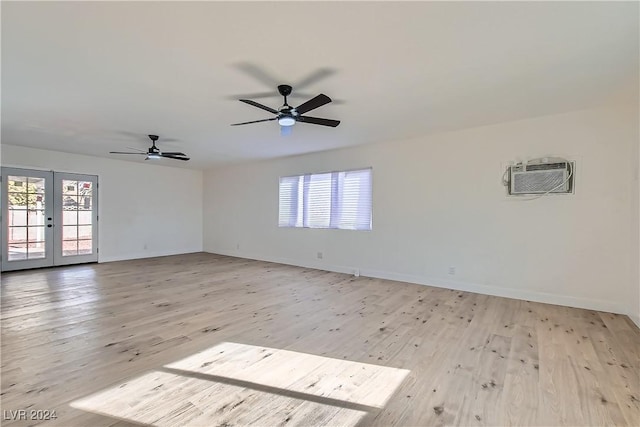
x,y
294,226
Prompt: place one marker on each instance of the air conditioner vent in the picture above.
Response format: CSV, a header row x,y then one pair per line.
x,y
546,166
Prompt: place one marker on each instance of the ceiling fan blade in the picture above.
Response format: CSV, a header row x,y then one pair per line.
x,y
174,157
255,104
126,152
140,136
255,121
318,121
314,77
275,94
257,73
173,153
313,103
271,94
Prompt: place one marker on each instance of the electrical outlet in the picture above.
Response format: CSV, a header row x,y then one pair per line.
x,y
452,271
238,246
319,255
145,247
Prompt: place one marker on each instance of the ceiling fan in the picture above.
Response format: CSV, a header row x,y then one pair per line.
x,y
154,152
288,115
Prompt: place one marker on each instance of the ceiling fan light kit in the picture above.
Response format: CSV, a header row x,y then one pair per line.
x,y
286,121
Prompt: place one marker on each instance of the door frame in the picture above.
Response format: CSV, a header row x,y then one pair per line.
x,y
53,193
58,213
48,260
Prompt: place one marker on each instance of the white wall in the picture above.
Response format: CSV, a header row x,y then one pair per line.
x,y
140,205
438,202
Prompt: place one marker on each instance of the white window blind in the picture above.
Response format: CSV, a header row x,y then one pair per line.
x,y
327,200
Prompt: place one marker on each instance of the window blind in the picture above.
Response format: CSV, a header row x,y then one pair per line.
x,y
326,200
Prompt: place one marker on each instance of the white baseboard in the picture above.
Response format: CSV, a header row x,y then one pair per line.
x,y
145,254
565,300
635,318
542,297
318,265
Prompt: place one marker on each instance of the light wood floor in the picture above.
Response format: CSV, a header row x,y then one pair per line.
x,y
472,360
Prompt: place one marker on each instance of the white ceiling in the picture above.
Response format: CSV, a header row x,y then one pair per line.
x,y
89,77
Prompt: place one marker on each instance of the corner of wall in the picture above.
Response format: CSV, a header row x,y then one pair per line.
x,y
635,318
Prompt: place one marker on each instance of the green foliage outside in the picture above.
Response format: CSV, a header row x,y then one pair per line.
x,y
21,195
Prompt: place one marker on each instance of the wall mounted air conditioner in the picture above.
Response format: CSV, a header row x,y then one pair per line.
x,y
544,177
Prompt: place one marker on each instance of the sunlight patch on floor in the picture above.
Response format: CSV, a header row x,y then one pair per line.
x,y
165,399
361,383
239,384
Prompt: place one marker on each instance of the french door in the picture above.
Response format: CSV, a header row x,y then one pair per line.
x,y
48,218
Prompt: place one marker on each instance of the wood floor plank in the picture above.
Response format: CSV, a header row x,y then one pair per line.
x,y
521,386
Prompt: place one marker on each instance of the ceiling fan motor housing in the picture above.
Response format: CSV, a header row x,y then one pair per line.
x,y
285,90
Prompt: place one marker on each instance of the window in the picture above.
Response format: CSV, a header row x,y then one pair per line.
x,y
327,200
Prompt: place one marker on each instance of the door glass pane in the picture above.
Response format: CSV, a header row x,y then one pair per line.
x,y
17,217
69,217
69,247
84,202
69,187
85,247
35,201
36,234
36,250
70,232
85,187
85,217
69,202
84,232
17,234
35,185
17,252
36,217
17,200
17,184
